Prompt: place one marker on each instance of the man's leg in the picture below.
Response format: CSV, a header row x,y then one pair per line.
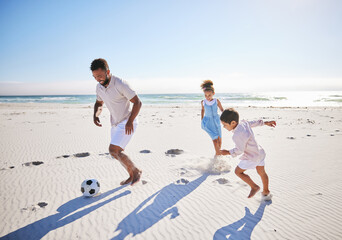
x,y
261,171
133,171
254,188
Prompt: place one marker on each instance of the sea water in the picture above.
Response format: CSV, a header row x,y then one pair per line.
x,y
276,99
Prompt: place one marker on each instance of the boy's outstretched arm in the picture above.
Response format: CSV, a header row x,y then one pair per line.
x,y
270,123
257,123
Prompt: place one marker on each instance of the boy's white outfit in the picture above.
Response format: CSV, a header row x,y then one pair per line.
x,y
253,154
117,96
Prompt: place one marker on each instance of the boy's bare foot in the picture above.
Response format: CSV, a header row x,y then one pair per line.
x,y
265,193
253,191
266,197
136,177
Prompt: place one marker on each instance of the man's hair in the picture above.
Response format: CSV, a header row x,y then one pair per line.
x,y
229,115
99,63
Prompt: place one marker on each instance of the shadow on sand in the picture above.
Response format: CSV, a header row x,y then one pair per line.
x,y
243,228
145,216
40,228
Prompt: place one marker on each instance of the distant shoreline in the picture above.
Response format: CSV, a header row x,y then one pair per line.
x,y
267,99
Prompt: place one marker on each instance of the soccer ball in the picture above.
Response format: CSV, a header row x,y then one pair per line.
x,y
90,187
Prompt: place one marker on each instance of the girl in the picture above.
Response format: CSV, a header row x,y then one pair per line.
x,y
209,116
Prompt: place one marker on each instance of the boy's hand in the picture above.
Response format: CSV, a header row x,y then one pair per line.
x,y
224,152
270,123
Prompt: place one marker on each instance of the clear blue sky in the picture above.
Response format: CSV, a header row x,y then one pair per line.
x,y
167,46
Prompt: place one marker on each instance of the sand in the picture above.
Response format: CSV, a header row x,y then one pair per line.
x,y
180,196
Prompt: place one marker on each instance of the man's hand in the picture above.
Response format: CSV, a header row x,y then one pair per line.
x,y
97,121
129,128
270,123
224,152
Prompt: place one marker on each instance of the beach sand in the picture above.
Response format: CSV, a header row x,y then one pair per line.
x,y
181,196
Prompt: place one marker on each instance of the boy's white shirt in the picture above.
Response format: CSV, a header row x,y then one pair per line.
x,y
245,142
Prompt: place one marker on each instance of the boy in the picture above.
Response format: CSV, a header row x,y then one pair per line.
x,y
253,154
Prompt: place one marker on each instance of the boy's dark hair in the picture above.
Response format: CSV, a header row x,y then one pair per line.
x,y
99,63
229,115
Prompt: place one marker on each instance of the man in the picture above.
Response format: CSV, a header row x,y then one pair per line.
x,y
117,95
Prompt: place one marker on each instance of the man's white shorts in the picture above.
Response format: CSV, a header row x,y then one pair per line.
x,y
247,164
118,135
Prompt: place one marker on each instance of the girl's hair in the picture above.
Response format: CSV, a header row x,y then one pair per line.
x,y
207,85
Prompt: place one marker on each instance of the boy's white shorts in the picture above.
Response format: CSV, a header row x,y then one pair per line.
x,y
118,135
247,164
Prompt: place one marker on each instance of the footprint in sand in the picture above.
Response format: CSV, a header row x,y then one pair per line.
x,y
78,155
42,204
34,208
143,182
222,180
182,181
63,156
35,163
81,155
174,152
145,151
103,154
183,171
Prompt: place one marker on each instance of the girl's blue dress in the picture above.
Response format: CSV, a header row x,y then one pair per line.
x,y
211,120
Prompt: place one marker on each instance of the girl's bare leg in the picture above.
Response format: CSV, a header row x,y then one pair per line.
x,y
217,146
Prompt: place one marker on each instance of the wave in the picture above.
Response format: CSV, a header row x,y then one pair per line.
x,y
281,99
58,98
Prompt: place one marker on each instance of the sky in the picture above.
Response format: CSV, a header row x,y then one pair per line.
x,y
171,46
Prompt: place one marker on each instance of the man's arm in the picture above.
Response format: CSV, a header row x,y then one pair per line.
x,y
97,111
135,111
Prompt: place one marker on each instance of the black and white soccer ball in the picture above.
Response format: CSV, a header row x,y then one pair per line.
x,y
90,187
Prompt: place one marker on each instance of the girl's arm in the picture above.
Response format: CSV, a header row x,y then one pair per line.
x,y
219,105
202,111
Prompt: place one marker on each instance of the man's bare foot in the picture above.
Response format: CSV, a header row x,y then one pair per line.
x,y
128,180
136,177
253,191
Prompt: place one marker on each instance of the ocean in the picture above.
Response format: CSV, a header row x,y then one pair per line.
x,y
276,99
